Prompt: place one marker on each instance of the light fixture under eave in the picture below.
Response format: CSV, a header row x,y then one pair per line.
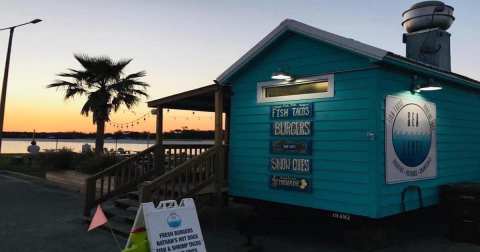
x,y
431,85
430,88
281,75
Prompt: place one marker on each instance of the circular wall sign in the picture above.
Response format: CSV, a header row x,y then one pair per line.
x,y
411,135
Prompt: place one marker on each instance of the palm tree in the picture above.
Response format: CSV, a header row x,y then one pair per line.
x,y
106,86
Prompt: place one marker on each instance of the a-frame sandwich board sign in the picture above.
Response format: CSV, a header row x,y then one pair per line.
x,y
169,226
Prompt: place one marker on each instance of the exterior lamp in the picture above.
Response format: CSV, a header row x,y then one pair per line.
x,y
431,85
281,75
37,20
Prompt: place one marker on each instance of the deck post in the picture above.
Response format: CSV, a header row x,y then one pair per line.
x,y
90,190
159,155
219,167
226,142
227,128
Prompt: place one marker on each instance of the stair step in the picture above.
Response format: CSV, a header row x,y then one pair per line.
x,y
135,195
120,227
125,215
133,209
125,203
210,189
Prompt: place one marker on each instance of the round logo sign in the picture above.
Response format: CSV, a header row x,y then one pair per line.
x,y
173,220
411,135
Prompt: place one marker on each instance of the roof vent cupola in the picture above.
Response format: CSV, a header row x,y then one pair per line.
x,y
427,39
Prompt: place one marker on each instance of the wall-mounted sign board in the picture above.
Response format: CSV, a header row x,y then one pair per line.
x,y
291,183
410,140
288,111
283,146
291,165
292,128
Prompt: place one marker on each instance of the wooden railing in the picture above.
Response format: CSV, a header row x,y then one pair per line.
x,y
176,154
187,178
127,174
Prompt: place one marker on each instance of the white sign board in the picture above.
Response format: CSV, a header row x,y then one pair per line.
x,y
410,140
171,227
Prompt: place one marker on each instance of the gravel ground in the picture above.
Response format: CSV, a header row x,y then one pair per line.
x,y
38,217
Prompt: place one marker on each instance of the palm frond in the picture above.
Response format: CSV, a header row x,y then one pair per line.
x,y
139,92
71,89
129,83
86,108
121,64
60,84
129,100
136,75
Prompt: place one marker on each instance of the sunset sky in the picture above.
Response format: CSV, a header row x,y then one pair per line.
x,y
181,45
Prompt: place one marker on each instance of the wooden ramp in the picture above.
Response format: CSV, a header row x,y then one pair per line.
x,y
71,180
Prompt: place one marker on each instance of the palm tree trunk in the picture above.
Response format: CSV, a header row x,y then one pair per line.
x,y
99,137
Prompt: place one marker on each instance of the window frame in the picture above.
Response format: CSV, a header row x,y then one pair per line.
x,y
261,86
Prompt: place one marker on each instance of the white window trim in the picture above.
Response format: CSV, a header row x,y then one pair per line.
x,y
261,89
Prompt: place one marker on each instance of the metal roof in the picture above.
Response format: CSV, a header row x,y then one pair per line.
x,y
309,31
199,99
202,98
347,44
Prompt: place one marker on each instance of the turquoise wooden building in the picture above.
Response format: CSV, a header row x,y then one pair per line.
x,y
321,121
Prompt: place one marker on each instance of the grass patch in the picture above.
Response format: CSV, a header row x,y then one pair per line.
x,y
91,163
22,163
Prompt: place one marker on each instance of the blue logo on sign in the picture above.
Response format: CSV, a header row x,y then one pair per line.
x,y
412,135
173,220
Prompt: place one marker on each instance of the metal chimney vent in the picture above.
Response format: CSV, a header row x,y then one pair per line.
x,y
427,39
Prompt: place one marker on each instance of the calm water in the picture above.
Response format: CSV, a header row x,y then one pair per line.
x,y
19,145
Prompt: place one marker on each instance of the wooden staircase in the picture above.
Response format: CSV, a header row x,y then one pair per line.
x,y
186,171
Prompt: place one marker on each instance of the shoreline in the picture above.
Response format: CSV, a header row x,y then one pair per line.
x,y
109,139
19,145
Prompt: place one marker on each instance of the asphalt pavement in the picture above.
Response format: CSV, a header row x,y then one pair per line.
x,y
39,217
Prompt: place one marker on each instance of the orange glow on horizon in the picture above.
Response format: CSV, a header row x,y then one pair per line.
x,y
67,118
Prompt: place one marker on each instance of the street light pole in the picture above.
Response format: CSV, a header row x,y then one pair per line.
x,y
4,86
5,75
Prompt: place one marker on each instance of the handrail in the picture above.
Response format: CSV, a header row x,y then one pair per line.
x,y
127,160
147,150
184,180
181,167
127,174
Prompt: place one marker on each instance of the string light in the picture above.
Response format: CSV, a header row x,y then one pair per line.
x,y
130,124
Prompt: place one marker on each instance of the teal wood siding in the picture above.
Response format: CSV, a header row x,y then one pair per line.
x,y
458,140
344,159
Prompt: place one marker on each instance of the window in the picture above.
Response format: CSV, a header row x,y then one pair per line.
x,y
306,88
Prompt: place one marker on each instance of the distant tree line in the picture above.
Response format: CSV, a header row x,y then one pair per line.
x,y
174,134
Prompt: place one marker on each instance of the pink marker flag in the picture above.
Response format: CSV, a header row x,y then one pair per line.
x,y
99,219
